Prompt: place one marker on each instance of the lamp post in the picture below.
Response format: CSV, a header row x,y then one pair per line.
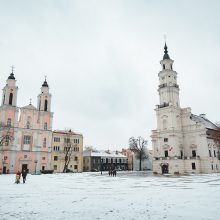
x,y
35,166
101,165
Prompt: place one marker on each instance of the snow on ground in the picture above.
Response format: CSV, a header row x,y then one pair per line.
x,y
130,195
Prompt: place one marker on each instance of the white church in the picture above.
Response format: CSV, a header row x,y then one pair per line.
x,y
183,143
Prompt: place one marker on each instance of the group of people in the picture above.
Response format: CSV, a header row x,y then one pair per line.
x,y
112,172
19,174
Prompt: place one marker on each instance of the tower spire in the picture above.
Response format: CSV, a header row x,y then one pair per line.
x,y
12,73
166,55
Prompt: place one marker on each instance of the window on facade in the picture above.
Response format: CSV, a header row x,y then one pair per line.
x,y
45,142
193,166
43,158
76,158
166,153
193,153
5,157
45,126
67,140
106,160
165,139
25,156
28,125
212,167
9,122
55,158
56,139
27,139
164,66
7,140
210,153
171,66
75,167
55,167
214,154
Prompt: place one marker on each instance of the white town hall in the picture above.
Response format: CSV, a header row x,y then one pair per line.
x,y
183,143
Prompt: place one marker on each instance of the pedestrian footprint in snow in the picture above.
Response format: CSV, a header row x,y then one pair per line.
x,y
24,175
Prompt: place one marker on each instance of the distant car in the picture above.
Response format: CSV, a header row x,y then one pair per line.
x,y
94,170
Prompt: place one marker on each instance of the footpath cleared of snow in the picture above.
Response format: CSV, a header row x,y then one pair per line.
x,y
127,196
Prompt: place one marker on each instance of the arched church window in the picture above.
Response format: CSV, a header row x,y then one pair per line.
x,y
9,122
171,66
45,105
10,98
164,124
164,66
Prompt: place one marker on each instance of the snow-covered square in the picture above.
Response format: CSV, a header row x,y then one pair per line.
x,y
130,195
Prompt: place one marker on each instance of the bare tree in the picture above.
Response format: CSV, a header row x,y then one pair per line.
x,y
68,150
139,147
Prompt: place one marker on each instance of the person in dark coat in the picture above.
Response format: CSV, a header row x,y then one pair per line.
x,y
24,175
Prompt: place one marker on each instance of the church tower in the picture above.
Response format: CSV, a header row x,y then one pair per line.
x,y
168,87
167,139
9,96
44,99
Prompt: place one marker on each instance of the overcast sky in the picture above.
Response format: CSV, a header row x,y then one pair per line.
x,y
102,58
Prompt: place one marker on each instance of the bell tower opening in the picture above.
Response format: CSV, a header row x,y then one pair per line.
x,y
45,105
10,98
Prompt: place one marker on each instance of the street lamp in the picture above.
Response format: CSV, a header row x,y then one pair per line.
x,y
35,166
101,165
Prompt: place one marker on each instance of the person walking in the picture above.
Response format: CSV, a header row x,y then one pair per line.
x,y
24,175
17,177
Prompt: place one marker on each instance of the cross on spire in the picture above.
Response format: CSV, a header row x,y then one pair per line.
x,y
12,68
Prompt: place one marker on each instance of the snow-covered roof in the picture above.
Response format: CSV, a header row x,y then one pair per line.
x,y
103,154
30,106
202,119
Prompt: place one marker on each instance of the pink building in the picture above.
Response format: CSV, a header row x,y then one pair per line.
x,y
25,132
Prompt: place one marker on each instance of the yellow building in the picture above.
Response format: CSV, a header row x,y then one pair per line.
x,y
67,148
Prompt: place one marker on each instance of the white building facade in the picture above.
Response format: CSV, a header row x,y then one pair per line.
x,y
183,143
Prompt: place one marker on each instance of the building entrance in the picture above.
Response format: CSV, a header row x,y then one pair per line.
x,y
4,170
24,167
165,168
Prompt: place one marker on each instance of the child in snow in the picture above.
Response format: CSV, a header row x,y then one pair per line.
x,y
17,177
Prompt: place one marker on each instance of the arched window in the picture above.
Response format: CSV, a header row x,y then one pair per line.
x,y
164,66
9,122
45,105
171,66
164,124
10,98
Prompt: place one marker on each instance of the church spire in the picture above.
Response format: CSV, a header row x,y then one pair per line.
x,y
12,73
166,55
45,84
